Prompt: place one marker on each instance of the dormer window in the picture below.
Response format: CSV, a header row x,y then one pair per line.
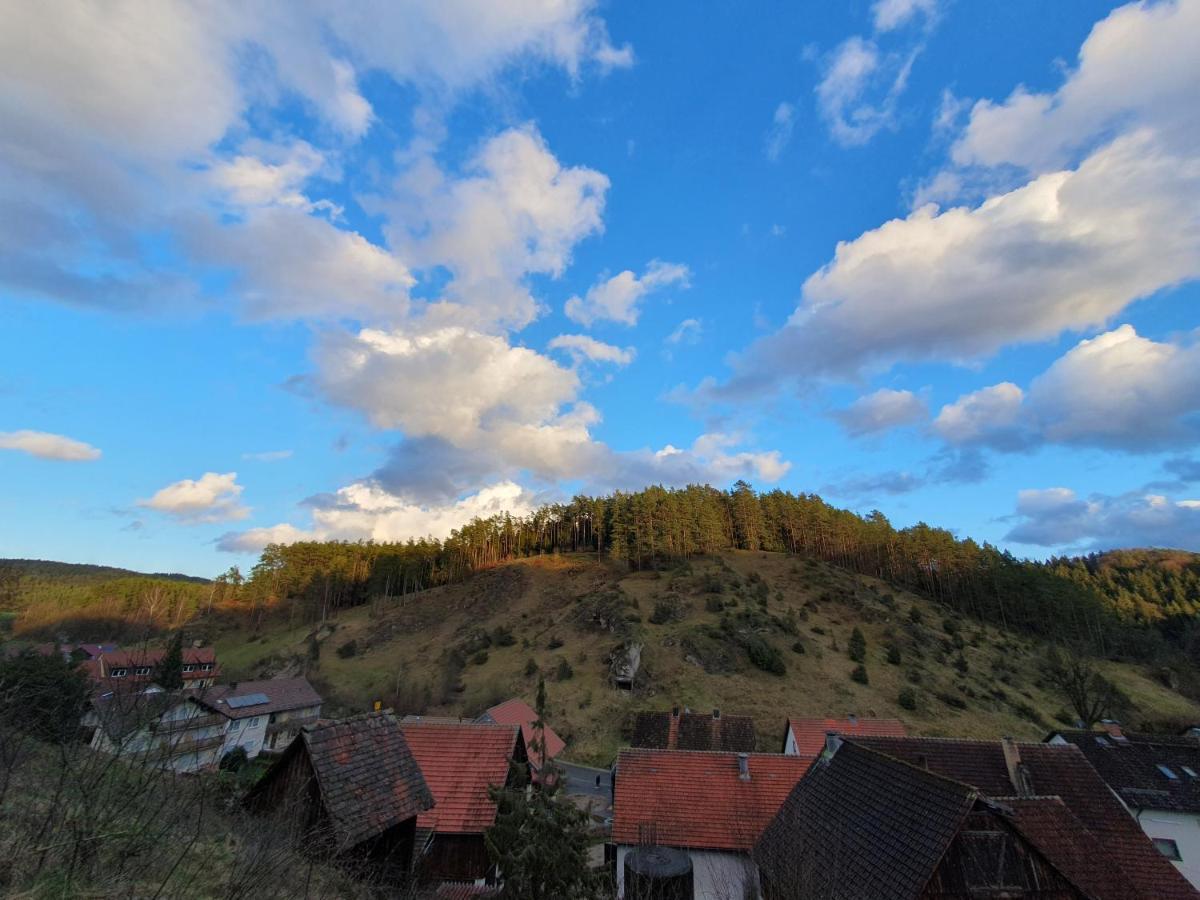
x,y
1102,740
119,673
1166,770
1189,771
189,668
207,667
142,670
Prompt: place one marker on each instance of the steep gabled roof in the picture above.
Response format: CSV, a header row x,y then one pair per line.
x,y
367,776
460,763
693,731
810,732
862,825
518,712
1060,771
683,798
1130,764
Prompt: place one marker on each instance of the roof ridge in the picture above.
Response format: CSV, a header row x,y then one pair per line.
x,y
970,788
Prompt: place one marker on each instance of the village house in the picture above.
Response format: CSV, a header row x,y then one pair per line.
x,y
686,730
121,669
169,729
518,712
1157,777
864,824
713,806
348,790
263,716
460,762
1007,771
805,736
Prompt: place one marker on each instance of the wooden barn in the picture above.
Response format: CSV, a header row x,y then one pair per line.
x,y
349,790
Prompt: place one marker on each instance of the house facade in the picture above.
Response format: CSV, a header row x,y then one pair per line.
x,y
1157,778
711,805
116,669
805,735
166,729
263,716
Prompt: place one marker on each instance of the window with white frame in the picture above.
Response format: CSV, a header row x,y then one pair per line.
x,y
1167,848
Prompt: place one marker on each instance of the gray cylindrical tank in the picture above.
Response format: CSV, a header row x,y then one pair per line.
x,y
658,873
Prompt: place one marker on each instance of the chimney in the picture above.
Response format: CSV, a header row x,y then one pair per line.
x,y
744,766
1018,773
232,686
852,718
674,712
922,761
1113,727
716,713
833,741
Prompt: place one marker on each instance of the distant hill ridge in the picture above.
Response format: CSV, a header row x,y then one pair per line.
x,y
48,568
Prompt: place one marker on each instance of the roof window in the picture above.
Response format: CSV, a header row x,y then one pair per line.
x,y
1102,740
1167,848
1166,770
1189,771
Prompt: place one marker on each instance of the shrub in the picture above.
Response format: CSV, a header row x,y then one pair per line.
x,y
234,760
670,609
950,626
893,655
711,583
961,664
564,670
860,674
764,656
856,648
480,658
798,647
914,616
952,700
531,668
555,643
913,675
502,637
347,650
817,629
713,604
907,698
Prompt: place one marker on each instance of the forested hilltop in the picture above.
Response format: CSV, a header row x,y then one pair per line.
x,y
1128,603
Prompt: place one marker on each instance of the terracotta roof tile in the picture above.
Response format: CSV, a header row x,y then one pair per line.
x,y
810,732
683,798
518,712
1062,771
693,731
281,693
368,777
459,763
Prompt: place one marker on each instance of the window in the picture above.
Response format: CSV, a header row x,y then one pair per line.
x,y
207,667
142,670
1190,772
119,673
189,668
1167,771
254,722
1167,848
1101,740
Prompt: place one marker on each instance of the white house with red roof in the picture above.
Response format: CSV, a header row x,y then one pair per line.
x,y
263,716
518,712
805,736
712,805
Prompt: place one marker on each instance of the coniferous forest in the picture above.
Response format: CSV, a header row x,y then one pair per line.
x,y
1133,604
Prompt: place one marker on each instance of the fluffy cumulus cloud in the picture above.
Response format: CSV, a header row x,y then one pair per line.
x,y
212,497
1058,517
618,298
1103,212
1118,390
45,445
882,410
581,347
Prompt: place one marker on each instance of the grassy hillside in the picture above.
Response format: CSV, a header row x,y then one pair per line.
x,y
457,649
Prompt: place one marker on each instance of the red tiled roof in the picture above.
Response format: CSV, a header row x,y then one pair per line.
x,y
459,763
464,891
696,799
810,733
1059,770
518,712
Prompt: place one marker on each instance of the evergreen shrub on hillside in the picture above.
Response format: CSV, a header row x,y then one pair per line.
x,y
907,698
860,675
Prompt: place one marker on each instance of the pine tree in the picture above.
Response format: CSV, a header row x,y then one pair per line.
x,y
857,647
170,671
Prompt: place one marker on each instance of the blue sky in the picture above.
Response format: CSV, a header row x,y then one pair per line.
x,y
365,272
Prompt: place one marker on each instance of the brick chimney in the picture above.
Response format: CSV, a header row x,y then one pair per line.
x,y
674,712
852,718
744,766
716,713
1018,772
1113,727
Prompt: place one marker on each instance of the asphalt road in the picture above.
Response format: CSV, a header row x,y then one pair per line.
x,y
586,780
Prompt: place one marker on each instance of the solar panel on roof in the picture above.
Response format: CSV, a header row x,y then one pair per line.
x,y
247,700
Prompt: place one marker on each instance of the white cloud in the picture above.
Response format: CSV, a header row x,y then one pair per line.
x,y
580,346
211,498
253,540
1057,517
44,445
882,410
1117,391
891,14
991,414
516,211
617,299
686,332
272,178
783,123
859,89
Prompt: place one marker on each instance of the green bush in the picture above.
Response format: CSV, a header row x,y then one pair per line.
x,y
907,698
480,658
914,616
764,656
564,670
856,648
234,760
531,668
860,675
555,643
714,604
348,649
952,700
961,664
502,637
798,648
893,655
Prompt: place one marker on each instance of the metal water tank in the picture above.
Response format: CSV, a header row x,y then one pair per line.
x,y
658,873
